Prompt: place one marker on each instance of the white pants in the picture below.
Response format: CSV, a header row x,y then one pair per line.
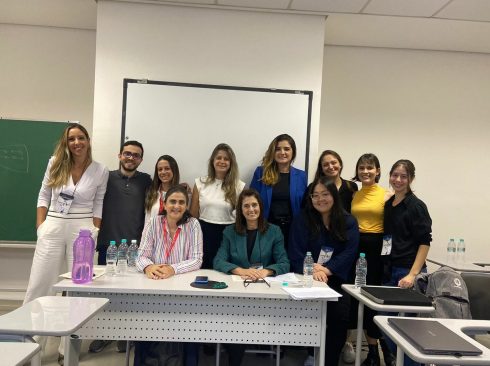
x,y
54,254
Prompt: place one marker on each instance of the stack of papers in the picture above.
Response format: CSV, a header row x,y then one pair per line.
x,y
305,293
98,272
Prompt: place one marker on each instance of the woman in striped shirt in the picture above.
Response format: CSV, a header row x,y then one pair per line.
x,y
171,243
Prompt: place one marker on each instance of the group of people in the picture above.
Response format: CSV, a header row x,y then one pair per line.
x,y
255,232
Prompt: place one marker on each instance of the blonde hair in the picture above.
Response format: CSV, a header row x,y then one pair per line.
x,y
270,174
60,170
232,176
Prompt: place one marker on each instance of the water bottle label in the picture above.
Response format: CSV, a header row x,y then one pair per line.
x,y
325,255
386,250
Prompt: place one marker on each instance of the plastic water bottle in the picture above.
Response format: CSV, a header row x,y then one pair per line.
x,y
461,252
451,251
83,257
308,270
361,271
132,254
111,259
122,257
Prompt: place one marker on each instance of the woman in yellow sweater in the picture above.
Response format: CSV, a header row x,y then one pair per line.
x,y
368,208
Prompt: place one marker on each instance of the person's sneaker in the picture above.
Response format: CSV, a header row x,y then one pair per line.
x,y
348,353
310,361
98,345
121,346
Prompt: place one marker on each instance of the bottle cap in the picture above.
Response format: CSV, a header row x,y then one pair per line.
x,y
308,253
362,255
133,241
124,241
112,242
85,232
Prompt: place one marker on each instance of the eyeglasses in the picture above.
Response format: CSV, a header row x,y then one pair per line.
x,y
260,280
317,196
128,154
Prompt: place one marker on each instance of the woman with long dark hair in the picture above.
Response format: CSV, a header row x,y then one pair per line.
x,y
331,234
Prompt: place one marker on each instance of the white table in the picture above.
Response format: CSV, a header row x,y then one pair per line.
x,y
364,301
172,310
52,316
460,267
15,353
460,326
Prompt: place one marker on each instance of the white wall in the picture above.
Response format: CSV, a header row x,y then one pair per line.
x,y
47,73
197,45
428,106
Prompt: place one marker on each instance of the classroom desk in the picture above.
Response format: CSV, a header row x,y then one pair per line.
x,y
460,326
460,267
364,301
172,310
16,353
52,316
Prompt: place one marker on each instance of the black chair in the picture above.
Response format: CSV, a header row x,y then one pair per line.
x,y
478,285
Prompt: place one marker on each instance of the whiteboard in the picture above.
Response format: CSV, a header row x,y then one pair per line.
x,y
187,121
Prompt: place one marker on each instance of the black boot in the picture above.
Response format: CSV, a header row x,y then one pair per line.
x,y
390,359
372,358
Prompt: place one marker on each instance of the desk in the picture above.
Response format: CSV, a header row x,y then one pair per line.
x,y
363,300
15,353
459,326
460,267
52,316
172,310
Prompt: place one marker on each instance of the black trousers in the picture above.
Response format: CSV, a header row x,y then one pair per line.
x,y
212,234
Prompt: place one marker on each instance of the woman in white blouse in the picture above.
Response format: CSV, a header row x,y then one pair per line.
x,y
71,197
166,175
214,199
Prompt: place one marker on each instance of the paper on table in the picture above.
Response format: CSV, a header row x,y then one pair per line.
x,y
286,277
97,273
304,293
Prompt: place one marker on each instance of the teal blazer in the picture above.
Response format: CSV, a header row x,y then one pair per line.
x,y
268,250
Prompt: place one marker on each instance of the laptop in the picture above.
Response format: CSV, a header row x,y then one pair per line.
x,y
395,296
433,338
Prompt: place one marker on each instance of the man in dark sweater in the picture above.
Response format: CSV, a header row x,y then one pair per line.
x,y
123,214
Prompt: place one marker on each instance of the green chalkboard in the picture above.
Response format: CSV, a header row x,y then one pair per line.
x,y
25,148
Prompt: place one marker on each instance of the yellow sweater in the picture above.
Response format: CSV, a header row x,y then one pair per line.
x,y
368,208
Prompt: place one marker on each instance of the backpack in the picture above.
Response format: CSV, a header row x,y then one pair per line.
x,y
447,291
159,354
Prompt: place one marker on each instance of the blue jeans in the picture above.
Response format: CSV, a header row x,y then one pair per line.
x,y
397,273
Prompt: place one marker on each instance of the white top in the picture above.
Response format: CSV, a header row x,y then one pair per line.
x,y
155,208
212,205
89,193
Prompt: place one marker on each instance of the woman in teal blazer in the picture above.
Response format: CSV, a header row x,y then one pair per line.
x,y
251,248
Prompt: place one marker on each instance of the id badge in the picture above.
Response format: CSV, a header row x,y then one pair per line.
x,y
386,250
325,255
63,203
258,266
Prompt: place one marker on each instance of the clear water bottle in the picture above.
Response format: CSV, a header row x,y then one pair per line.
x,y
83,257
111,259
122,257
308,270
461,252
451,251
361,271
132,254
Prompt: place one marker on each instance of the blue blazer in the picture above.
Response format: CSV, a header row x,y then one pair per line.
x,y
297,188
268,250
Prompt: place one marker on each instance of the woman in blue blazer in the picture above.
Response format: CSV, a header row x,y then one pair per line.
x,y
280,185
251,248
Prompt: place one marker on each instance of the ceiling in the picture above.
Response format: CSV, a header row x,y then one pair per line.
x,y
462,25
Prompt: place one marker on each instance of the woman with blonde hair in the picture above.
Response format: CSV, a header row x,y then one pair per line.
x,y
70,199
214,199
280,185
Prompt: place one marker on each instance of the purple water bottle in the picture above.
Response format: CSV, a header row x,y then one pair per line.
x,y
83,257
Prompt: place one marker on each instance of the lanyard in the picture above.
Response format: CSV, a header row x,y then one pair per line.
x,y
174,240
162,205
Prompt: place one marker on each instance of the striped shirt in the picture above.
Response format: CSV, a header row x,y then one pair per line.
x,y
186,254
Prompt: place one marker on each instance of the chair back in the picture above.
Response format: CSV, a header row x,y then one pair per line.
x,y
478,285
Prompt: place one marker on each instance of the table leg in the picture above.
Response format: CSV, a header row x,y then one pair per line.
x,y
278,356
320,353
218,353
360,315
399,356
72,350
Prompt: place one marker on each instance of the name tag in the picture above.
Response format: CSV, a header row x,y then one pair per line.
x,y
325,255
63,203
386,250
